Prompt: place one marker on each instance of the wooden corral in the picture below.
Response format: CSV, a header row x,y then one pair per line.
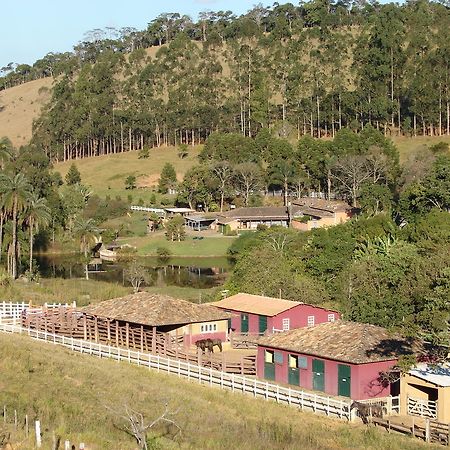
x,y
143,338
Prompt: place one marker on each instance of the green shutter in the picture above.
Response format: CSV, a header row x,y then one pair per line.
x,y
262,324
244,323
318,368
269,371
344,380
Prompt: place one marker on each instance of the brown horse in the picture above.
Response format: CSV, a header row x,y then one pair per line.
x,y
208,344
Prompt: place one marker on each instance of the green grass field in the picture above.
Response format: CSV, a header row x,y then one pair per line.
x,y
106,174
76,396
207,247
407,146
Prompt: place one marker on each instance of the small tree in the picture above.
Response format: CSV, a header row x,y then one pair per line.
x,y
168,178
175,229
144,154
183,151
136,274
73,176
130,182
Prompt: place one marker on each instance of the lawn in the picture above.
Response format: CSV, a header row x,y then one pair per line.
x,y
407,146
78,397
106,174
208,246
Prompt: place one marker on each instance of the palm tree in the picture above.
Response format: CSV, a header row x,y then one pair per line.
x,y
15,191
5,151
37,214
87,232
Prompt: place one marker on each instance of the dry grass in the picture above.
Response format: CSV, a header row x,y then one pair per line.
x,y
70,394
19,106
106,174
407,146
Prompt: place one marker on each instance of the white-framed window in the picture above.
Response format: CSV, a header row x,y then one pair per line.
x,y
311,321
331,318
286,324
208,327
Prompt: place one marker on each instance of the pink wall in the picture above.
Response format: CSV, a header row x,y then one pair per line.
x,y
364,384
298,317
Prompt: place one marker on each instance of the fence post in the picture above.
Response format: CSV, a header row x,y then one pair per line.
x,y
38,434
427,430
66,445
4,413
26,425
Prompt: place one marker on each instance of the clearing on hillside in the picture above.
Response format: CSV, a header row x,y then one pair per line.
x,y
19,106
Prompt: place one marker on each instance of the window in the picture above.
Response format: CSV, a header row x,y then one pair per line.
x,y
278,357
302,362
269,356
330,317
208,327
293,361
286,324
310,321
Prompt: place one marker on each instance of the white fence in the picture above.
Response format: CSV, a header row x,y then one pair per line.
x,y
320,404
12,311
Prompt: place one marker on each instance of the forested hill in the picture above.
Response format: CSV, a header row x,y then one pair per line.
x,y
309,69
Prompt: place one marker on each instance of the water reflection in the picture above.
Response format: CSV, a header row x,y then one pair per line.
x,y
200,273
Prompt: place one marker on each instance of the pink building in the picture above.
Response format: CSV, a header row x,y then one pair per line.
x,y
340,358
256,314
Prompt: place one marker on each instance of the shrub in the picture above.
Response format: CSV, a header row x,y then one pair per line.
x,y
163,253
144,153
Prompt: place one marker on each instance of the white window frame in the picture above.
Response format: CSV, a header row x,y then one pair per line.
x,y
208,328
286,324
331,317
311,321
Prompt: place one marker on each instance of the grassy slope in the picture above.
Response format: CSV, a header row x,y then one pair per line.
x,y
19,106
70,394
407,146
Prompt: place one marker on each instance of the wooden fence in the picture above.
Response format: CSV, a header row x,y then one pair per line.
x,y
68,322
320,404
432,432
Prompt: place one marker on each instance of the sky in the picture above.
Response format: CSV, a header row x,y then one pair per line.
x,y
32,28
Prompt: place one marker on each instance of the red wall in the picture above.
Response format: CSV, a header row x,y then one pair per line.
x,y
364,384
298,318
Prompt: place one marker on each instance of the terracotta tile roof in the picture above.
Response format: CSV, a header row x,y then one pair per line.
x,y
322,204
256,304
314,212
350,342
155,310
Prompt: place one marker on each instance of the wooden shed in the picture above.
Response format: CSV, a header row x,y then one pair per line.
x,y
151,313
425,392
258,314
339,358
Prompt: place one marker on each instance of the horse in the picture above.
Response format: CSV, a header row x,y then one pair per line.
x,y
211,343
201,344
367,410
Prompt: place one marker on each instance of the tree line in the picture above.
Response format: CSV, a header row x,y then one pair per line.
x,y
302,70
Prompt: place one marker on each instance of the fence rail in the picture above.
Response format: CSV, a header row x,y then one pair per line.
x,y
422,408
237,383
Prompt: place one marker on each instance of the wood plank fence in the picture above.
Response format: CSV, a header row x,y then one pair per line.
x,y
320,404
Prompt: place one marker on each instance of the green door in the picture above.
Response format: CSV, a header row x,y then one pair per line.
x,y
262,324
244,323
344,385
318,368
269,371
229,324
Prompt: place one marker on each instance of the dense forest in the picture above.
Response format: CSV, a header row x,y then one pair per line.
x,y
301,70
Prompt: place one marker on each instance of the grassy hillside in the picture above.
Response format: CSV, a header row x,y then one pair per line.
x,y
407,146
106,174
19,106
73,396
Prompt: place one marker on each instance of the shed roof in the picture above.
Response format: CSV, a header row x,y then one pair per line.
x,y
155,310
260,212
435,374
256,304
351,342
322,204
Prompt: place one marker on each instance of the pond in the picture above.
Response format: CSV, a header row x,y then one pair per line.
x,y
199,273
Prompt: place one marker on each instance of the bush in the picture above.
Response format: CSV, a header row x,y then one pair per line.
x,y
5,279
229,232
144,154
163,253
261,227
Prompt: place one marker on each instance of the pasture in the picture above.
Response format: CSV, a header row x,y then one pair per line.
x,y
75,396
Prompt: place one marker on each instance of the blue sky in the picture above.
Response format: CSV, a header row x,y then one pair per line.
x,y
32,28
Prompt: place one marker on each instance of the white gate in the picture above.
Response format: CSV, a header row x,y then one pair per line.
x,y
422,408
